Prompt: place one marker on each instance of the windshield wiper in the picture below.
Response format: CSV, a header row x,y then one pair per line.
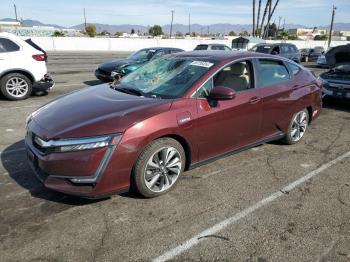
x,y
130,91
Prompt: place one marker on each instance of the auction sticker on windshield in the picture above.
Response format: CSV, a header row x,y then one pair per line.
x,y
202,64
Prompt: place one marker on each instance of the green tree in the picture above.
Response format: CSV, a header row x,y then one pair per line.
x,y
232,33
91,30
58,34
104,32
320,37
272,30
244,33
132,31
155,30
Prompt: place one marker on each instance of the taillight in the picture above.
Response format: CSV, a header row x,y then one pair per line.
x,y
39,57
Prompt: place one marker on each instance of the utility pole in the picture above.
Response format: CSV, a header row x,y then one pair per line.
x,y
84,19
189,24
14,5
331,29
253,33
171,24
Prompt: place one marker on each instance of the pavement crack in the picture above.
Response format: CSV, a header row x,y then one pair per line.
x,y
102,241
215,236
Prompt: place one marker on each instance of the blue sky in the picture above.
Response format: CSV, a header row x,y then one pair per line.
x,y
149,12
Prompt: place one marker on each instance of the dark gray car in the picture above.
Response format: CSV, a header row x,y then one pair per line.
x,y
289,51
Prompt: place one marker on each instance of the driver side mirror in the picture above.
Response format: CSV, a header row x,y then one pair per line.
x,y
221,93
274,53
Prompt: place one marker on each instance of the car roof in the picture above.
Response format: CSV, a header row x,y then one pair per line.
x,y
211,44
161,48
224,55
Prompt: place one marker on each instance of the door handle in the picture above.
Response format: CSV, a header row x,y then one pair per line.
x,y
254,100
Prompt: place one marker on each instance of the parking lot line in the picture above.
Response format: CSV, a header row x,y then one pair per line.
x,y
236,217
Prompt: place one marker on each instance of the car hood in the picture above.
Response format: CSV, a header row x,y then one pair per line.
x,y
97,110
116,64
338,55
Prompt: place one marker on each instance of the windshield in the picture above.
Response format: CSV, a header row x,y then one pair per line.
x,y
263,49
167,77
145,54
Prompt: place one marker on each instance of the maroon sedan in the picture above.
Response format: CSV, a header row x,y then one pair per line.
x,y
170,115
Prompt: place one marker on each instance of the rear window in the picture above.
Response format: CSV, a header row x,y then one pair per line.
x,y
6,45
272,72
31,43
263,49
201,47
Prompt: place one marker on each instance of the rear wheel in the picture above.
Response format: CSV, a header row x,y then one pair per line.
x,y
16,86
297,127
159,167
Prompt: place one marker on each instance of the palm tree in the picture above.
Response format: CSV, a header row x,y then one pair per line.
x,y
270,15
263,18
253,18
257,22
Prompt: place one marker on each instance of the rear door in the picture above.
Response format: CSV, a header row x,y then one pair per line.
x,y
274,82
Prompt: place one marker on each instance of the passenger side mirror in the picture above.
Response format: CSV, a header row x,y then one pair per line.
x,y
221,93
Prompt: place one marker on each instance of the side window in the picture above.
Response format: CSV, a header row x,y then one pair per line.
x,y
285,49
237,76
294,68
227,49
204,91
7,45
276,50
272,72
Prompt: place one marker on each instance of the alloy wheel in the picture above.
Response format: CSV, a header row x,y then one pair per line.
x,y
17,87
299,126
163,169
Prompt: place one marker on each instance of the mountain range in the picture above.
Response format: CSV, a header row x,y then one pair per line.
x,y
213,28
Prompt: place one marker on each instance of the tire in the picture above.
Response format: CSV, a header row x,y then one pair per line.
x,y
16,86
158,167
297,127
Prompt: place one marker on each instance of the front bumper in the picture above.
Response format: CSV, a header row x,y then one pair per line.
x,y
335,92
46,83
57,170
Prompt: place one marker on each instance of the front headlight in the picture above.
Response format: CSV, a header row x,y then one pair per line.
x,y
77,144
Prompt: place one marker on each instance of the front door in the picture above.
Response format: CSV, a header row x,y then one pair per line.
x,y
223,126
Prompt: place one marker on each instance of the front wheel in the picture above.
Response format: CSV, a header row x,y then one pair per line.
x,y
159,167
297,127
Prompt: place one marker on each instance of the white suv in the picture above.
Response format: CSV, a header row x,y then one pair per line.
x,y
22,68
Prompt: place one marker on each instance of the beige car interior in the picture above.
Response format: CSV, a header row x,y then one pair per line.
x,y
235,76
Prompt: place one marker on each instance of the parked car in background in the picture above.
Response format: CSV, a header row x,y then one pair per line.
x,y
289,51
311,54
174,113
321,61
22,68
216,47
336,81
125,66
